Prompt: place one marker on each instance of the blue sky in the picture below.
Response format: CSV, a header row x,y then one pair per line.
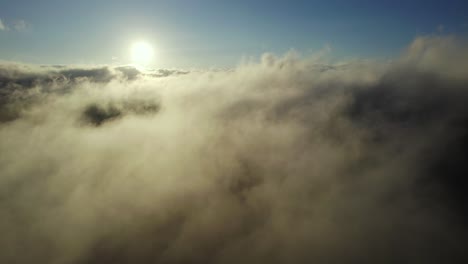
x,y
216,33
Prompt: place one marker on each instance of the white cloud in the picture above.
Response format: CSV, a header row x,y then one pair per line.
x,y
2,26
20,25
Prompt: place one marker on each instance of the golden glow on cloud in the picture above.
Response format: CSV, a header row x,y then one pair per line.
x,y
142,53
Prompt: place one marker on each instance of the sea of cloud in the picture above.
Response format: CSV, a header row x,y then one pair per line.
x,y
283,160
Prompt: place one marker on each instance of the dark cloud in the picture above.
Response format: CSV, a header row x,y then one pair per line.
x,y
131,73
96,114
95,75
167,72
282,161
22,76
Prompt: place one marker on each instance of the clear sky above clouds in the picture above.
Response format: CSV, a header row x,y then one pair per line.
x,y
211,33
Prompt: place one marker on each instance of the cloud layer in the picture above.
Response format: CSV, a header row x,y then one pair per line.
x,y
279,161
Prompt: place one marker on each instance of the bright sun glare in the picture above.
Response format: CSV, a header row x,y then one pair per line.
x,y
142,53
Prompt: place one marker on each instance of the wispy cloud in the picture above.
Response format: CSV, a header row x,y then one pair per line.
x,y
440,28
2,26
19,25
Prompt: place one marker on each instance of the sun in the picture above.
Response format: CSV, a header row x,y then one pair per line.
x,y
142,53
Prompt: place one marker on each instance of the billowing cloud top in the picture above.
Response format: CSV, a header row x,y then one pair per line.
x,y
281,161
